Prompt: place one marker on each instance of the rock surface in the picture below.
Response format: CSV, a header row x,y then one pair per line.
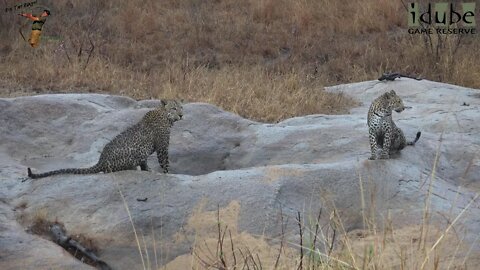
x,y
217,158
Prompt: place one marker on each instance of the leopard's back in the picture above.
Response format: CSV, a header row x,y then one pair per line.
x,y
128,149
132,147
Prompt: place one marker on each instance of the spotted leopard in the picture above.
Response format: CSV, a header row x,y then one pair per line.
x,y
132,147
382,130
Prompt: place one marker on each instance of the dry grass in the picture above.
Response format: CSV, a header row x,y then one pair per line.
x,y
322,244
266,60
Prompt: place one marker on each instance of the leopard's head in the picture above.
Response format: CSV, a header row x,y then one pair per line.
x,y
394,101
174,109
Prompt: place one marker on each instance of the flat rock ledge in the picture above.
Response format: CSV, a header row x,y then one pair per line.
x,y
250,172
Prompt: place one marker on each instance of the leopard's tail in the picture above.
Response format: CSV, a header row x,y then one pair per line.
x,y
416,139
94,169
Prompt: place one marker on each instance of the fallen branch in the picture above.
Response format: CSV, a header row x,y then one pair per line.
x,y
60,237
394,75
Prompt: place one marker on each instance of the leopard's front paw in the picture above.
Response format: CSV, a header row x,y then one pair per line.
x,y
372,157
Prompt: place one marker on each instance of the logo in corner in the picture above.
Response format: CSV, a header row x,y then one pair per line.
x,y
442,18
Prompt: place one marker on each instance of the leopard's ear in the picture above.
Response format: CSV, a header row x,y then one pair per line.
x,y
164,103
390,94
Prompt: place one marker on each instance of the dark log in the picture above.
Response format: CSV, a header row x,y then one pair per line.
x,y
60,237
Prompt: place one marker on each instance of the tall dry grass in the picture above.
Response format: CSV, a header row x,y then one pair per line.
x,y
321,242
265,60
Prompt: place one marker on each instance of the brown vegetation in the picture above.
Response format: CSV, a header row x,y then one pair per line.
x,y
264,59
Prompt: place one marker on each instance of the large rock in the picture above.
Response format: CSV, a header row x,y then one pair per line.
x,y
219,159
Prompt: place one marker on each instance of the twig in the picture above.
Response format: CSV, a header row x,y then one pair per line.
x,y
79,54
317,226
205,264
221,237
330,249
209,251
301,240
282,239
259,261
253,259
20,30
245,259
233,250
89,53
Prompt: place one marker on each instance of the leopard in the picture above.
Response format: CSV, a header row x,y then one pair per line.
x,y
383,133
132,147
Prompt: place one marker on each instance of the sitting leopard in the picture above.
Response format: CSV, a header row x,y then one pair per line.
x,y
382,130
132,147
